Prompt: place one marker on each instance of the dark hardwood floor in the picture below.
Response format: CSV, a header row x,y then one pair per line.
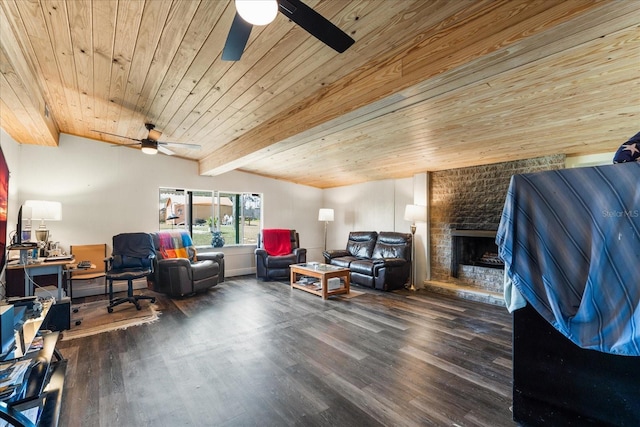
x,y
257,353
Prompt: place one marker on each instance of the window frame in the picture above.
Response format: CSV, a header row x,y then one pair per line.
x,y
188,211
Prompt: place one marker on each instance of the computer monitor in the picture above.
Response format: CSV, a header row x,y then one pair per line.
x,y
17,240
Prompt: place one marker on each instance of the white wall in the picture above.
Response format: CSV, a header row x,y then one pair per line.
x,y
106,190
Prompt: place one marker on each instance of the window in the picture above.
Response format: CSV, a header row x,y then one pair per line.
x,y
236,215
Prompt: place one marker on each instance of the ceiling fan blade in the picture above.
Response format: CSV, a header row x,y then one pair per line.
x,y
113,134
237,39
135,144
180,145
316,24
165,150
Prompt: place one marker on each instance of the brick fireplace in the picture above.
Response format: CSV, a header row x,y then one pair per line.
x,y
465,206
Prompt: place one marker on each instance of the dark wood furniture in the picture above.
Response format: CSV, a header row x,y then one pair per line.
x,y
39,401
555,382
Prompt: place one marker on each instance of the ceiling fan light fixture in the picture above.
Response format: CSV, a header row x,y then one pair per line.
x,y
257,12
149,146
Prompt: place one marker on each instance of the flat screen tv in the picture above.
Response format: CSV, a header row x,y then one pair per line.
x,y
4,198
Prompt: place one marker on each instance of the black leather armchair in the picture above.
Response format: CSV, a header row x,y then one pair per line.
x,y
179,269
376,260
277,266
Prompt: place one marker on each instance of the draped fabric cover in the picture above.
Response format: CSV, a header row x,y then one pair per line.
x,y
176,244
570,240
277,241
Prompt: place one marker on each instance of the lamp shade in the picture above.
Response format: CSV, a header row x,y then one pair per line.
x,y
415,213
45,210
325,215
257,12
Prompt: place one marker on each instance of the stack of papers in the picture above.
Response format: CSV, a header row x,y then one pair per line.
x,y
11,378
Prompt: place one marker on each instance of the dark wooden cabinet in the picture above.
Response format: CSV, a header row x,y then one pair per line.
x,y
555,382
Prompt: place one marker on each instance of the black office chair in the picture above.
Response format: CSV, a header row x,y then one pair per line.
x,y
132,258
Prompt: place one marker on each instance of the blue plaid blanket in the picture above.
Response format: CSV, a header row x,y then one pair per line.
x,y
570,240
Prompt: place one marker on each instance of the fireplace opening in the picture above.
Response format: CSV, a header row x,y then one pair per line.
x,y
474,247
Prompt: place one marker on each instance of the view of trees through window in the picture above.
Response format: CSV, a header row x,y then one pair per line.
x,y
209,215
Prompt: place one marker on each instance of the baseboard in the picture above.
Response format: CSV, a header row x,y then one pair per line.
x,y
239,272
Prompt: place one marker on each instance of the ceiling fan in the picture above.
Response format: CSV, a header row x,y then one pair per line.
x,y
151,145
251,12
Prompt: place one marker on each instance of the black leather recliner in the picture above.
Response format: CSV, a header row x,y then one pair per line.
x,y
277,266
376,260
178,276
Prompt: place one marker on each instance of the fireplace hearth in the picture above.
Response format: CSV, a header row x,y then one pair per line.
x,y
474,247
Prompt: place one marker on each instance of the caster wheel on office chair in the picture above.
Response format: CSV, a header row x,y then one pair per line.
x,y
110,309
153,300
138,307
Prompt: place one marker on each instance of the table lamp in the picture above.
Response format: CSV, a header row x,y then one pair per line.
x,y
44,211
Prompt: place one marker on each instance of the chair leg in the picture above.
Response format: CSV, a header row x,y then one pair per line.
x,y
129,298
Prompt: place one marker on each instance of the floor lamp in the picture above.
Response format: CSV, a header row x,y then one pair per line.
x,y
414,213
325,215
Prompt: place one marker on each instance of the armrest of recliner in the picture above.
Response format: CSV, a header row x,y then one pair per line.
x,y
335,253
261,252
380,263
213,256
394,262
176,262
301,254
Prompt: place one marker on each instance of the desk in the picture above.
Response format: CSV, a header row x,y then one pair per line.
x,y
41,268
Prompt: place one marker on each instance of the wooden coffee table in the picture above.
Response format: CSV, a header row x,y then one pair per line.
x,y
323,272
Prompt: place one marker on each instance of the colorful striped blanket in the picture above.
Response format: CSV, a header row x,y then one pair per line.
x,y
176,244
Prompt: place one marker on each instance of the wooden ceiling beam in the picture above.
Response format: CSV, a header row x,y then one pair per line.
x,y
24,113
427,58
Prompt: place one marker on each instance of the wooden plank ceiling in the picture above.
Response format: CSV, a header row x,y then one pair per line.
x,y
428,85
